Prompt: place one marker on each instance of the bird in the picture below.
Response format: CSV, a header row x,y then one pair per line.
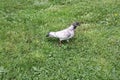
x,y
64,34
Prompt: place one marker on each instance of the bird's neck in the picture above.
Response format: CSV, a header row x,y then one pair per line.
x,y
71,27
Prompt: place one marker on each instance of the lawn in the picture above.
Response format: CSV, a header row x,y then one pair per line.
x,y
93,53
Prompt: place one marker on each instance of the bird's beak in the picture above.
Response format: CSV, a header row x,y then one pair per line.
x,y
79,24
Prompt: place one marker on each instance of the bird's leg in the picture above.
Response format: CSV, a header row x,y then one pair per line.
x,y
60,43
68,40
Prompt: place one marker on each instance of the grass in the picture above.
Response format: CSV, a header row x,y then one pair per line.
x,y
26,54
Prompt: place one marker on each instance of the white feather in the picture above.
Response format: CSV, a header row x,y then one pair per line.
x,y
63,34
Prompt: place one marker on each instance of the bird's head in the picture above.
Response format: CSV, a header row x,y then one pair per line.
x,y
75,24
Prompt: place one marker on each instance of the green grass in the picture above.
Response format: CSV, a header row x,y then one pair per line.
x,y
26,54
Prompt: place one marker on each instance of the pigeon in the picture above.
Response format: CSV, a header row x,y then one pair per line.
x,y
64,34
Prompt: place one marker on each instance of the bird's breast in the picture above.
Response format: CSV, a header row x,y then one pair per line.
x,y
72,34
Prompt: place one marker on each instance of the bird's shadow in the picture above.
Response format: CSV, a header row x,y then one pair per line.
x,y
56,41
52,40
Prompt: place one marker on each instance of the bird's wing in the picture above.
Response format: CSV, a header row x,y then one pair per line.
x,y
63,34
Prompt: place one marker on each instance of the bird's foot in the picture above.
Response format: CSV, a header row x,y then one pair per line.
x,y
60,43
68,41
